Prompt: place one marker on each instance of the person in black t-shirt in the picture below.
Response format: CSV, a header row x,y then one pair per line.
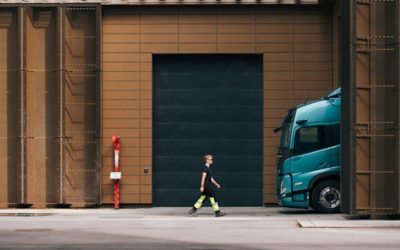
x,y
207,189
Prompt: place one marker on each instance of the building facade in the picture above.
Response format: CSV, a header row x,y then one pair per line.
x,y
174,80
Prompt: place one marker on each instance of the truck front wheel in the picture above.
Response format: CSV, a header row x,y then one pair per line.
x,y
326,196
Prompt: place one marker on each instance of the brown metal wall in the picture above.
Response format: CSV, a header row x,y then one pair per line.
x,y
10,182
49,101
297,44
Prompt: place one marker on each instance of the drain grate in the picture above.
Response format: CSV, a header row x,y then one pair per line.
x,y
33,230
25,214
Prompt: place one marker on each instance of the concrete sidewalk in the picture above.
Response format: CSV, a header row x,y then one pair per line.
x,y
304,218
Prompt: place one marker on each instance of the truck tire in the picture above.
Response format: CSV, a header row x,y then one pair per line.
x,y
325,196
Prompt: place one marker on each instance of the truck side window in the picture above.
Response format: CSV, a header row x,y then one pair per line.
x,y
332,133
307,139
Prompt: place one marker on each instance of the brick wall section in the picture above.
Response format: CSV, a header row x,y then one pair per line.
x,y
297,44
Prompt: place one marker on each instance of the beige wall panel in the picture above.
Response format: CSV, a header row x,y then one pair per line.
x,y
146,114
278,94
313,18
146,198
118,104
121,66
197,38
120,47
119,18
313,76
274,47
159,28
275,28
313,47
287,104
124,189
125,113
120,95
146,133
146,123
313,57
146,66
236,38
120,28
198,28
128,151
274,113
159,47
305,85
233,18
120,85
123,199
146,189
120,76
236,48
278,66
126,161
121,123
121,38
318,28
198,19
278,57
270,85
236,28
313,66
146,179
274,38
108,133
312,38
274,17
146,95
159,38
121,57
197,48
146,142
270,151
146,161
279,75
128,142
159,19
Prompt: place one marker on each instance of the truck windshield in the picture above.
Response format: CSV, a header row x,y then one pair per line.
x,y
286,128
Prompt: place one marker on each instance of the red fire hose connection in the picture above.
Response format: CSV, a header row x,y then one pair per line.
x,y
116,175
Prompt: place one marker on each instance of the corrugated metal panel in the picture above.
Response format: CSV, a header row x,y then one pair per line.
x,y
371,155
297,45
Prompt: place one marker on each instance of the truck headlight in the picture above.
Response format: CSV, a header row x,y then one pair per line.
x,y
283,188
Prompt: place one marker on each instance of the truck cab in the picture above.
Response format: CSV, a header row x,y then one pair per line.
x,y
308,158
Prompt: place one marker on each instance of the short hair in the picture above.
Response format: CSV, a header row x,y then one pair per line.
x,y
206,157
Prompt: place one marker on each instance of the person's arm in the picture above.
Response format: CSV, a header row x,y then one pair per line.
x,y
203,179
215,183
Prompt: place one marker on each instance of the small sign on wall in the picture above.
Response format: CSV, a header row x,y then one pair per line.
x,y
115,175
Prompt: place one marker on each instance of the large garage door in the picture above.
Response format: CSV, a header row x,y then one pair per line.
x,y
207,104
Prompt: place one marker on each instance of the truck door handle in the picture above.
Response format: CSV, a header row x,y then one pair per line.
x,y
323,165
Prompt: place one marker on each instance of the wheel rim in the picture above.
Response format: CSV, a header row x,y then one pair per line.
x,y
330,197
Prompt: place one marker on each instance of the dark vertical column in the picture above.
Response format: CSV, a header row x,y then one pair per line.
x,y
348,107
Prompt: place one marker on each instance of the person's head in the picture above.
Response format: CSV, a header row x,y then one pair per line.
x,y
208,159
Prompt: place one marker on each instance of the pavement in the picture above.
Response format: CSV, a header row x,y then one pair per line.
x,y
172,228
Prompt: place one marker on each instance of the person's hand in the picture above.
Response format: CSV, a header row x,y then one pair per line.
x,y
201,189
218,186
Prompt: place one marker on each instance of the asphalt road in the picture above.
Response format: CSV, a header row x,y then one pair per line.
x,y
171,228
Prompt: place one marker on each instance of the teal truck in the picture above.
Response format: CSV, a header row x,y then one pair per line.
x,y
308,158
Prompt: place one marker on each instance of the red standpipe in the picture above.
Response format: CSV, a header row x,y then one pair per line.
x,y
116,142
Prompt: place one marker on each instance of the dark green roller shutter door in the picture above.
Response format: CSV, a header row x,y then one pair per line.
x,y
207,104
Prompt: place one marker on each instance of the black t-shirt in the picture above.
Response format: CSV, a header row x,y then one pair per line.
x,y
207,170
